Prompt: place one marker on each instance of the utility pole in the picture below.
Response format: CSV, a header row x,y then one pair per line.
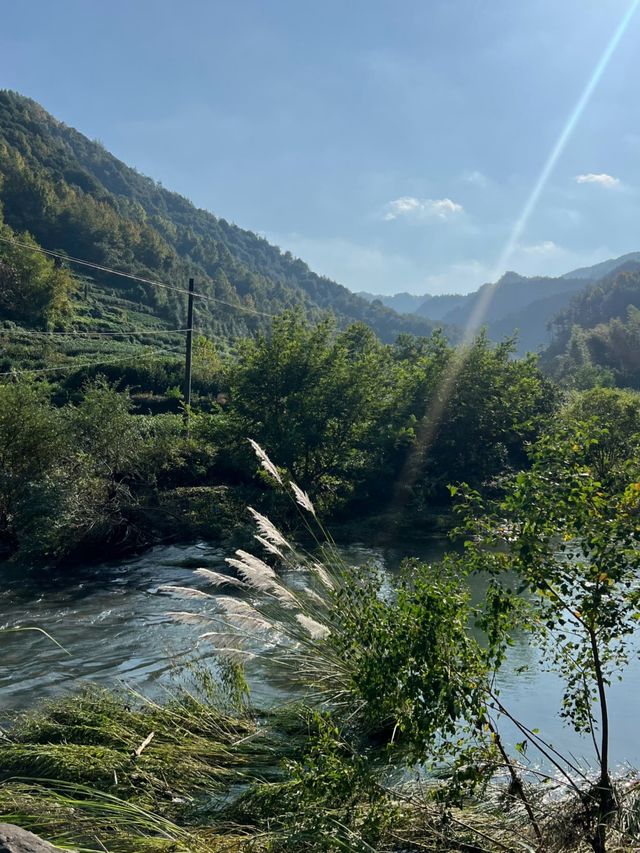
x,y
188,354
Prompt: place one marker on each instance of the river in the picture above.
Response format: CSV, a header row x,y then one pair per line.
x,y
116,629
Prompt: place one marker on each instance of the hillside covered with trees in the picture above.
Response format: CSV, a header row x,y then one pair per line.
x,y
596,340
74,197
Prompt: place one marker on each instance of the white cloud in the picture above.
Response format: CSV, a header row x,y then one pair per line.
x,y
543,249
603,180
421,208
478,179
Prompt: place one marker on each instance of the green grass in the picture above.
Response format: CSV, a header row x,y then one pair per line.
x,y
215,779
79,818
73,771
93,738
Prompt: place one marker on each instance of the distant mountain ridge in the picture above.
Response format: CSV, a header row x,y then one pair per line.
x,y
74,196
434,307
515,303
598,271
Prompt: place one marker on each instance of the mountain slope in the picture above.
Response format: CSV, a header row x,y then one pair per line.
x,y
515,303
596,339
437,307
72,195
509,295
403,303
605,268
531,323
426,305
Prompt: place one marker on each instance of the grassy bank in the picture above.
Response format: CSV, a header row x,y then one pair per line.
x,y
203,772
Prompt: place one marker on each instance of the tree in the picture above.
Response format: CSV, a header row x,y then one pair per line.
x,y
610,418
316,398
572,541
474,410
67,474
207,363
33,290
31,438
103,428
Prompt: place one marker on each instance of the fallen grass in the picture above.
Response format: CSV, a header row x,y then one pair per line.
x,y
78,818
113,771
214,778
100,739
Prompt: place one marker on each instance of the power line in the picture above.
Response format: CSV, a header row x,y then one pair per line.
x,y
75,365
101,268
91,264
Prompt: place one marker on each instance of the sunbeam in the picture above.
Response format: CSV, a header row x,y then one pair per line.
x,y
429,424
482,305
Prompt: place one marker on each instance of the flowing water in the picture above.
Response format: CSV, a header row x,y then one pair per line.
x,y
116,630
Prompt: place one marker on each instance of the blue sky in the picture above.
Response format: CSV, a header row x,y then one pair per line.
x,y
391,145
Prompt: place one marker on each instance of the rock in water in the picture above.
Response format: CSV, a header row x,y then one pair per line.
x,y
13,839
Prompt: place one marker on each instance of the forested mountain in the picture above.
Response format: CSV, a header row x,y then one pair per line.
x,y
73,196
509,295
512,304
515,303
596,339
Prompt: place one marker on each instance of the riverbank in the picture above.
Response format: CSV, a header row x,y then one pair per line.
x,y
206,772
218,515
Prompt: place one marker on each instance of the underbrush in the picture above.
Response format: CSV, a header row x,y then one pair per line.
x,y
105,771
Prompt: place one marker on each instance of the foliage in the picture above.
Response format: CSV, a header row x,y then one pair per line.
x,y
72,477
597,338
330,799
476,413
320,400
347,415
421,635
610,420
33,290
571,539
31,437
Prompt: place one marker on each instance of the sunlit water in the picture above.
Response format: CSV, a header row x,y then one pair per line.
x,y
116,629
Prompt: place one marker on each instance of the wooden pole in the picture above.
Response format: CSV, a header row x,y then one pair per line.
x,y
189,352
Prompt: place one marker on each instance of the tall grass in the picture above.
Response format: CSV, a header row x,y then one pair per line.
x,y
285,604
